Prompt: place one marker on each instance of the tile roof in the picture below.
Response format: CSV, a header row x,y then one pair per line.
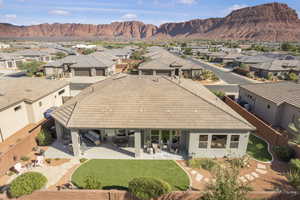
x,y
81,61
16,90
279,65
31,52
254,59
278,93
162,59
147,102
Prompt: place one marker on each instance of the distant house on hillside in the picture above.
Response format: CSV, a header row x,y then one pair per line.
x,y
9,61
34,55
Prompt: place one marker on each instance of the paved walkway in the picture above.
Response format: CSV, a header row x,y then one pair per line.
x,y
197,177
53,173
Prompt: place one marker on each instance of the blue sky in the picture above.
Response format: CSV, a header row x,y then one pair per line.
x,y
25,12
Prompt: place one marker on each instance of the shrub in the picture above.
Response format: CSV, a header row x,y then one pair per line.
x,y
24,158
284,153
82,160
27,183
226,186
207,164
91,183
44,138
48,160
295,165
294,178
219,94
146,188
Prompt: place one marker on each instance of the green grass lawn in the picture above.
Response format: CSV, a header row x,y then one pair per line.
x,y
258,149
115,174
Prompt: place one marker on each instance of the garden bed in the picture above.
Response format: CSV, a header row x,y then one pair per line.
x,y
258,149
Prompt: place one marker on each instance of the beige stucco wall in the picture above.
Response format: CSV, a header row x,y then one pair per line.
x,y
54,99
196,152
12,121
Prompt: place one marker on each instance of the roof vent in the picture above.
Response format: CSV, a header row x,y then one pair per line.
x,y
28,90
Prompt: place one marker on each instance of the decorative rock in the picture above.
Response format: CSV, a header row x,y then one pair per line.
x,y
193,172
261,166
249,177
261,171
255,174
243,179
199,177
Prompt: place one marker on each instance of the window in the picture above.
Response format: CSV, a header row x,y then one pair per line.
x,y
268,106
234,141
219,141
155,136
40,104
17,108
203,141
61,92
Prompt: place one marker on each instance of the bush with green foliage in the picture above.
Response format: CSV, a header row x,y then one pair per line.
x,y
44,138
82,160
27,183
92,183
60,55
284,153
293,177
226,187
146,188
295,164
293,77
24,158
205,163
219,93
31,68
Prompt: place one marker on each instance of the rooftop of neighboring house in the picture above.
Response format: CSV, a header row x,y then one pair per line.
x,y
217,54
126,101
164,60
278,93
279,65
81,61
254,59
9,56
15,90
31,52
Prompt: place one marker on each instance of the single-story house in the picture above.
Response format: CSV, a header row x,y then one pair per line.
x,y
163,62
9,61
24,100
146,115
276,103
216,57
83,65
278,68
37,55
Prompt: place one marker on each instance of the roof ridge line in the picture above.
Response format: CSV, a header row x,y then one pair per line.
x,y
71,113
207,101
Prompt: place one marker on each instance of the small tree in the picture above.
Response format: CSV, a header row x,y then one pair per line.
x,y
293,77
92,183
146,188
44,138
226,186
31,67
60,55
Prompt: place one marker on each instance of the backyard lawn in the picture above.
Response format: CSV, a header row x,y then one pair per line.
x,y
115,174
258,149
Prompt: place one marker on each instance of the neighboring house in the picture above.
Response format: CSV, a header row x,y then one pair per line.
x,y
84,46
37,55
217,57
136,113
9,61
248,61
231,57
276,103
4,46
276,68
24,100
161,62
83,65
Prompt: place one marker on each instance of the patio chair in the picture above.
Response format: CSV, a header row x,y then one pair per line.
x,y
18,168
156,148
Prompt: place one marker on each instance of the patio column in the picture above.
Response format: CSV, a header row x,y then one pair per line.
x,y
75,142
137,143
59,131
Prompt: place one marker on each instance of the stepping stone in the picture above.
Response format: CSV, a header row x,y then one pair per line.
x,y
199,177
255,174
261,171
249,177
193,172
243,179
261,166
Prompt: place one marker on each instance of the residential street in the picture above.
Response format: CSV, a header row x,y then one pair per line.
x,y
228,77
